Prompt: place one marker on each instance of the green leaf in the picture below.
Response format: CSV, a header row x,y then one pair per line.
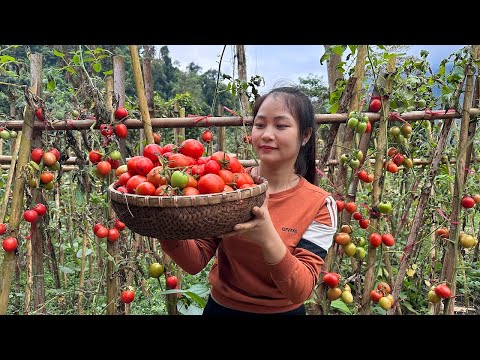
x,y
70,70
202,302
76,59
34,165
410,307
188,310
65,269
58,53
334,108
340,305
109,72
6,58
87,252
97,67
51,85
338,49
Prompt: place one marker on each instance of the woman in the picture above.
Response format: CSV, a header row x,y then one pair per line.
x,y
271,264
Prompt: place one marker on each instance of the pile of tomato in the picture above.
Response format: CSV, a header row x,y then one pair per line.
x,y
181,170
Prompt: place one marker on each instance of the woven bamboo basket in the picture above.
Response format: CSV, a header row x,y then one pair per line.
x,y
187,217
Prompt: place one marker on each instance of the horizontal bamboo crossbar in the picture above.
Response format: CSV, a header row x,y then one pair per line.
x,y
220,121
70,163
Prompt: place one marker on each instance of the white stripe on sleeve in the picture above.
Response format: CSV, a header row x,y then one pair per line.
x,y
320,234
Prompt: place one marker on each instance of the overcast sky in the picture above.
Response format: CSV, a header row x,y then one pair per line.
x,y
279,63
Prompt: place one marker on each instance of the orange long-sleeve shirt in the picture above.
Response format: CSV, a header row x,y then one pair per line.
x,y
305,217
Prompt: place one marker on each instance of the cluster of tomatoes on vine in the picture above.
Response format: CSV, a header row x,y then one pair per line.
x,y
32,216
43,162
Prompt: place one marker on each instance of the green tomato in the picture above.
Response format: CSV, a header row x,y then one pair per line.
x,y
344,158
13,134
55,166
155,270
394,131
361,241
361,252
365,118
115,155
352,114
5,134
385,207
359,155
352,123
75,113
361,127
179,179
354,163
422,103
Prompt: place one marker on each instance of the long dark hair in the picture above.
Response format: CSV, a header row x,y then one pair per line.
x,y
302,109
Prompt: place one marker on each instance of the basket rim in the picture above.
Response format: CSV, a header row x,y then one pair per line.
x,y
189,200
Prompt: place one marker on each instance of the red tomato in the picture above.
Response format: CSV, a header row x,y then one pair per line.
x,y
351,207
363,175
210,184
49,158
207,136
398,159
340,205
113,234
145,188
221,157
157,138
192,147
121,113
133,182
169,148
123,179
388,239
375,105
96,227
357,216
121,131
95,156
103,168
468,202
39,114
152,151
234,165
9,244
375,239
188,191
171,282
46,177
56,153
102,232
3,228
132,165
443,291
178,161
369,127
247,139
331,279
30,215
392,167
119,224
143,166
226,175
106,129
40,209
212,167
37,155
375,295
127,296
364,223
156,177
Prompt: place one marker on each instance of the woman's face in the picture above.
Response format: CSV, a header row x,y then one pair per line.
x,y
275,133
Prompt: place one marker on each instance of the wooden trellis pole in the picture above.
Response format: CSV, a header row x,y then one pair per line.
x,y
17,194
449,269
377,191
142,100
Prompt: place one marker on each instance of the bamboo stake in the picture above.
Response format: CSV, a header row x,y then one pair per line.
x,y
142,100
111,245
81,284
11,174
377,191
449,270
222,133
17,194
225,121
